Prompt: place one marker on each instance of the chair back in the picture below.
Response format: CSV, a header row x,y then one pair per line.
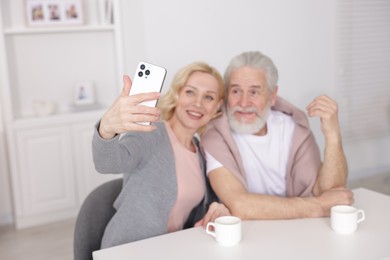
x,y
93,217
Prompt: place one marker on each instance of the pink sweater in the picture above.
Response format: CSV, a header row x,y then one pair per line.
x,y
304,161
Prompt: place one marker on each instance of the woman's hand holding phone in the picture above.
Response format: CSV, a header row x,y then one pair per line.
x,y
128,114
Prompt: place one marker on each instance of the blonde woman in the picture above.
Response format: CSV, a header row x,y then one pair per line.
x,y
164,185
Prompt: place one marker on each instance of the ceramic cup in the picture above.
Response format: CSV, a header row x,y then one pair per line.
x,y
344,219
226,230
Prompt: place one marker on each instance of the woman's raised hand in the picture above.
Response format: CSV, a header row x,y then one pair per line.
x,y
126,115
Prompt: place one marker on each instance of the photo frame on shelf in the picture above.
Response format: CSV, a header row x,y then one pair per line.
x,y
54,12
84,94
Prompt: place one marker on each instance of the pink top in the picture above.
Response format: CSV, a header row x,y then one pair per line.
x,y
190,183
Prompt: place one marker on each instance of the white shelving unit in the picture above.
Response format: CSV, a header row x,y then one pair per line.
x,y
50,156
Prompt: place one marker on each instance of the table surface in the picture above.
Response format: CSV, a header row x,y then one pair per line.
x,y
310,238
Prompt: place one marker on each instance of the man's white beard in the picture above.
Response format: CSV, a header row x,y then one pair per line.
x,y
245,128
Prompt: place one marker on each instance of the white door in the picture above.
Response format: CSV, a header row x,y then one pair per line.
x,y
45,171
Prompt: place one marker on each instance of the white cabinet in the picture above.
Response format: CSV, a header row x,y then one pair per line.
x,y
45,180
50,156
52,167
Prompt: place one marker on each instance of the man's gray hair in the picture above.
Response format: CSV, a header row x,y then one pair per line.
x,y
256,60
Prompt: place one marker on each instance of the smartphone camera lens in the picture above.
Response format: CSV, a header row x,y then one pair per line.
x,y
140,74
147,72
142,66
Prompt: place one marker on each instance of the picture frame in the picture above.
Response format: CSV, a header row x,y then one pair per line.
x,y
84,94
54,12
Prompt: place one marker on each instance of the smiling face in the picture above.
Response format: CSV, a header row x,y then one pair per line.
x,y
198,101
249,100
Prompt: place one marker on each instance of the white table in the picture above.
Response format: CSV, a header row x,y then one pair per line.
x,y
275,239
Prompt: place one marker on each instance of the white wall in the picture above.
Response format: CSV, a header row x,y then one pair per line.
x,y
5,187
296,35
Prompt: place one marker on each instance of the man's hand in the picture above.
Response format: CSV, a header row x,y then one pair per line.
x,y
327,110
333,197
334,170
215,210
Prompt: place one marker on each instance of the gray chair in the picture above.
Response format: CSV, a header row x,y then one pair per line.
x,y
93,217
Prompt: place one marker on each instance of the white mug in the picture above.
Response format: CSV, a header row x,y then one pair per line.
x,y
227,230
345,219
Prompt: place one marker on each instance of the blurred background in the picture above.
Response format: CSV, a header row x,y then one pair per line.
x,y
338,47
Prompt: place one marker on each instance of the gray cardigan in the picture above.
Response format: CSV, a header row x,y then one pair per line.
x,y
149,184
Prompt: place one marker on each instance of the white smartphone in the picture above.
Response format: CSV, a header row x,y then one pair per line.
x,y
148,78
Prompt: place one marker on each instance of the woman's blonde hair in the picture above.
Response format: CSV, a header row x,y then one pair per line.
x,y
167,103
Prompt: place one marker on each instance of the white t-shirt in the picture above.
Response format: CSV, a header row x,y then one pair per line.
x,y
264,157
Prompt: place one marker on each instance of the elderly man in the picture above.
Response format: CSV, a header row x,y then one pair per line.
x,y
263,161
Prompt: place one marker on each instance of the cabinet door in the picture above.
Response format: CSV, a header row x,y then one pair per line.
x,y
46,172
87,177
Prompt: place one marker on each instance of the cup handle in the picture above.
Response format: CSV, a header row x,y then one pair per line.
x,y
208,231
362,215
